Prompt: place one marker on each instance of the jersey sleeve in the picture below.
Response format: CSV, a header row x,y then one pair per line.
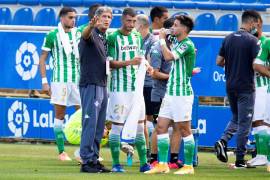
x,y
182,50
111,47
263,54
156,58
48,42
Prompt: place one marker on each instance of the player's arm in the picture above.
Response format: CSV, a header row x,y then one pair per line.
x,y
42,64
220,61
168,55
156,60
262,55
258,63
46,48
42,67
120,64
263,70
159,75
112,53
87,33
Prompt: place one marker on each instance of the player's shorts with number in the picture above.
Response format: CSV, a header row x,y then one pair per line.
x,y
120,105
65,94
176,108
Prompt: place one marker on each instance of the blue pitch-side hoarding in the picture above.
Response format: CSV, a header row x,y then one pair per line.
x,y
20,54
34,118
20,57
27,118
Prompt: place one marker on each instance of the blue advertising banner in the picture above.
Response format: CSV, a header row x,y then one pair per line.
x,y
28,118
20,59
34,118
211,80
212,121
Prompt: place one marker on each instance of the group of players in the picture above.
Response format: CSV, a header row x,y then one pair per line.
x,y
167,95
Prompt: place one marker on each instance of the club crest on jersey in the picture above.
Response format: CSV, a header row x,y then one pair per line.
x,y
183,48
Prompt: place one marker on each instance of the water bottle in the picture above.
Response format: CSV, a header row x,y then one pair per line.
x,y
129,159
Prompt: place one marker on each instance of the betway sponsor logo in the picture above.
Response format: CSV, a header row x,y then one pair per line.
x,y
129,48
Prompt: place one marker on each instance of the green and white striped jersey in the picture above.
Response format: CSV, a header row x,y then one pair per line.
x,y
180,75
124,48
263,59
81,28
65,68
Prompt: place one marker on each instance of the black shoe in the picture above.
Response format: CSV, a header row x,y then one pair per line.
x,y
102,168
221,151
242,164
90,167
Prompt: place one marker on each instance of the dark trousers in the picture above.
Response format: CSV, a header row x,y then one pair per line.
x,y
94,105
242,107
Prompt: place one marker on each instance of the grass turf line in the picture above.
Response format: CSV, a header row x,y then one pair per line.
x,y
29,161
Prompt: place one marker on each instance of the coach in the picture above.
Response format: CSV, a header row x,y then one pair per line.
x,y
93,80
237,54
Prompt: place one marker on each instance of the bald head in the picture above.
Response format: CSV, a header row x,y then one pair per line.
x,y
143,20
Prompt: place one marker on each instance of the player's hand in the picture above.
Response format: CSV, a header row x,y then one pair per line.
x,y
150,70
162,33
46,89
136,61
94,22
196,70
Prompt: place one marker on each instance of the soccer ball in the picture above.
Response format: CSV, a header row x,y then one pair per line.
x,y
73,128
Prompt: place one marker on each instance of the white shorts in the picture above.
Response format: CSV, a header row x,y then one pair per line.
x,y
260,104
65,94
267,119
176,108
120,105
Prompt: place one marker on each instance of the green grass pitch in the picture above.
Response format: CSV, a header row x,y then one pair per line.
x,y
35,161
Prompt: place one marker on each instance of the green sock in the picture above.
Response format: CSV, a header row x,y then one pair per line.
x,y
114,142
141,148
256,136
60,138
163,147
189,146
263,142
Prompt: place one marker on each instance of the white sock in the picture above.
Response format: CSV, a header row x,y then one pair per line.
x,y
58,123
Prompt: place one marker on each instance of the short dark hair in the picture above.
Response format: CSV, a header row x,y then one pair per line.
x,y
186,21
65,10
129,11
92,10
157,11
168,23
250,15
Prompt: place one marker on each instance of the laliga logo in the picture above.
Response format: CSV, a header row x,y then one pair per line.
x,y
18,119
27,61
